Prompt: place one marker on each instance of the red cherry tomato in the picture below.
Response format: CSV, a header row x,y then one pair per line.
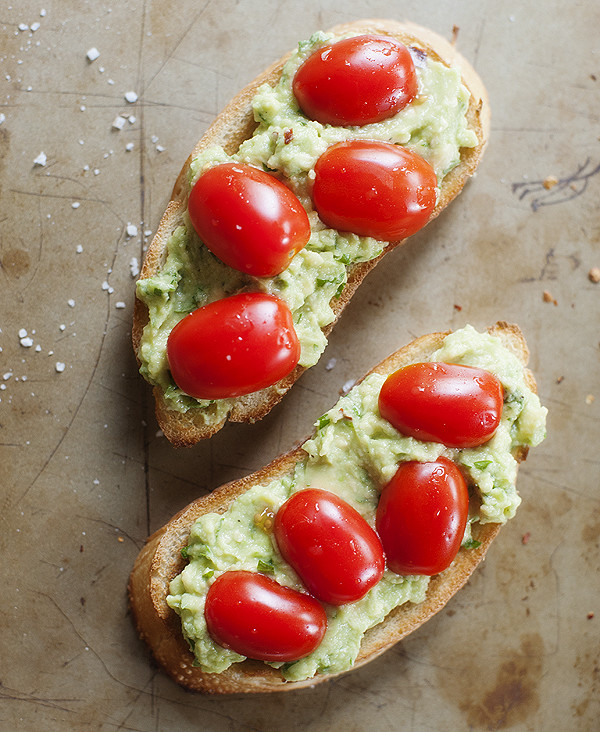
x,y
356,81
333,549
253,615
374,189
422,515
233,346
248,219
459,406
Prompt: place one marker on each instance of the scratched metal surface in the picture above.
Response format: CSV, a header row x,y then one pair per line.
x,y
84,475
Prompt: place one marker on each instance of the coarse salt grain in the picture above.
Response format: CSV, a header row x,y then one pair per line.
x,y
22,333
134,267
129,146
26,342
71,303
40,160
131,97
120,305
131,230
60,367
119,122
92,54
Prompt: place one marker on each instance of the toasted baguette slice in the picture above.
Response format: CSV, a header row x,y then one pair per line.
x,y
236,124
160,561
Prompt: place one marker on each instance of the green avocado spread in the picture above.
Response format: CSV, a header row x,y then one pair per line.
x,y
288,144
354,452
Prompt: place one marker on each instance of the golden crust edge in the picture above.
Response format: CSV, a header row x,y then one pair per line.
x,y
160,560
230,128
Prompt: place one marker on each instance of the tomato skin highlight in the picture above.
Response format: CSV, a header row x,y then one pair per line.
x,y
459,406
233,346
374,189
337,555
356,81
422,515
255,616
248,219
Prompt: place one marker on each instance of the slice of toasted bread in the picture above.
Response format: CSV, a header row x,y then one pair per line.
x,y
236,124
160,561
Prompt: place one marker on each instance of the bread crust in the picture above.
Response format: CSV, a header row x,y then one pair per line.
x,y
236,124
160,561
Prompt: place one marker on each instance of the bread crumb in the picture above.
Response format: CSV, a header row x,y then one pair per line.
x,y
590,615
549,182
548,297
594,274
590,399
120,539
525,538
560,379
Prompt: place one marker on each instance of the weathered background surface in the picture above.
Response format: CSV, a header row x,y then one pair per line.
x,y
85,476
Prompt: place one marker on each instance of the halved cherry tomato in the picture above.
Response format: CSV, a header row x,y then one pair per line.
x,y
253,615
248,219
374,189
333,549
233,346
459,406
356,81
422,515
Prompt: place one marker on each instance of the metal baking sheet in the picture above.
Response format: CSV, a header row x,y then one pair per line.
x,y
86,168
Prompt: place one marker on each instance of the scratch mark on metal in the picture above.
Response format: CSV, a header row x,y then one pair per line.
x,y
562,190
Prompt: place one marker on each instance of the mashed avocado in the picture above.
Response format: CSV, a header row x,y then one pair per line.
x,y
288,144
354,452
